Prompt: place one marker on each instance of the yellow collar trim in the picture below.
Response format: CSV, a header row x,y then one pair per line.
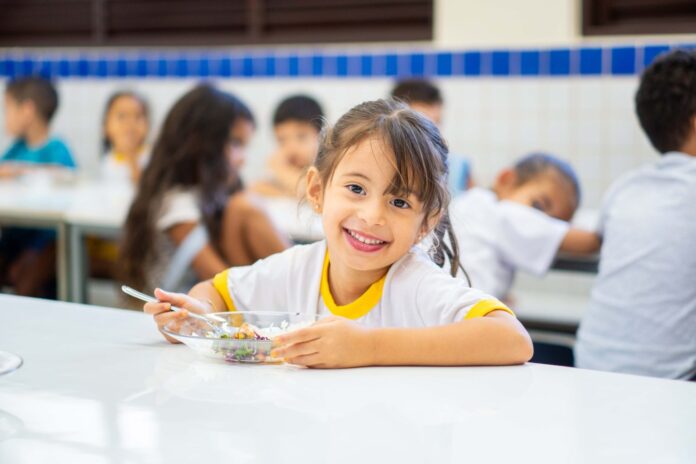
x,y
122,158
357,308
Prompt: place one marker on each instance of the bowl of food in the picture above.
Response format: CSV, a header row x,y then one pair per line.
x,y
237,336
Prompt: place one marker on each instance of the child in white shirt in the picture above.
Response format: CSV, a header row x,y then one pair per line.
x,y
380,184
642,314
520,223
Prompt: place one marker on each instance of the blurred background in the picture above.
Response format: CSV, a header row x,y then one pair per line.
x,y
516,75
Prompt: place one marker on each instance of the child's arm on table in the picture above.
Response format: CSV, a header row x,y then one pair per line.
x,y
202,299
496,339
580,242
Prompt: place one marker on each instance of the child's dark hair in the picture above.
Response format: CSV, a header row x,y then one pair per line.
x,y
538,164
417,90
38,90
420,155
106,143
300,108
666,100
189,153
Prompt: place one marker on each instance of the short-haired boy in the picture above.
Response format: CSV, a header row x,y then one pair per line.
x,y
642,316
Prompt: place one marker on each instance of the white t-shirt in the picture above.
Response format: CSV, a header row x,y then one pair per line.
x,y
178,206
496,238
413,293
115,168
642,315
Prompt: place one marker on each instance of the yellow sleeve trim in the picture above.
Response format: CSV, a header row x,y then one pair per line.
x,y
484,307
220,284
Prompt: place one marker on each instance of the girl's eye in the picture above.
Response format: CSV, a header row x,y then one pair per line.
x,y
399,203
536,204
358,190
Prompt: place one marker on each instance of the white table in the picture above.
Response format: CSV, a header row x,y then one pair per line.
x,y
101,386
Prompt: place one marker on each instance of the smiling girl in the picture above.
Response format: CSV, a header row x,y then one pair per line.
x,y
380,184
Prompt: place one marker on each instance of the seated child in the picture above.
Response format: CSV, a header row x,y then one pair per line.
x,y
191,217
126,124
423,96
521,223
27,256
380,184
30,103
642,315
297,123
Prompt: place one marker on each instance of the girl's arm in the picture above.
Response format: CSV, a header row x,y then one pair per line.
x,y
202,299
496,339
580,242
248,233
207,262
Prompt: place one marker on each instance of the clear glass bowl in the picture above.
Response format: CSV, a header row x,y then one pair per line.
x,y
248,338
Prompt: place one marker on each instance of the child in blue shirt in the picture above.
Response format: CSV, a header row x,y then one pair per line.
x,y
30,103
27,256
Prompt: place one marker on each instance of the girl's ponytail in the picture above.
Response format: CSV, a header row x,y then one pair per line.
x,y
451,251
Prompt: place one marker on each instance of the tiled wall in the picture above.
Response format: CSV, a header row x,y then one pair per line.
x,y
500,104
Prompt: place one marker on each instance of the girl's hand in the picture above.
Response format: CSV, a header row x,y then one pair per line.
x,y
330,342
162,313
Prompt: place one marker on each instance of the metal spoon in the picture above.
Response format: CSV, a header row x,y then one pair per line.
x,y
206,319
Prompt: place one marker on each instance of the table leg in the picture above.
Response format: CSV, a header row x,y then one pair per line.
x,y
77,259
62,268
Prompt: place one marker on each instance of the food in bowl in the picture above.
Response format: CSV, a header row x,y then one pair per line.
x,y
247,336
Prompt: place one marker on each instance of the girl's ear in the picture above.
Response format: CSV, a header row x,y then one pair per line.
x,y
315,189
428,226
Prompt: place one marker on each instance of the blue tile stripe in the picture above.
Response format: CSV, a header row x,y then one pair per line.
x,y
557,62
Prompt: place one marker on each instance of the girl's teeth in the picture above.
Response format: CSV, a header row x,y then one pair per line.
x,y
364,240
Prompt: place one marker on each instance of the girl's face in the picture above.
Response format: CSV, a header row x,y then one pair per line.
x,y
126,125
235,148
367,228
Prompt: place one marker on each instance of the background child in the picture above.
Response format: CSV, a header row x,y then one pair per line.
x,y
521,223
642,316
30,104
125,127
191,217
424,97
380,184
297,123
126,124
27,256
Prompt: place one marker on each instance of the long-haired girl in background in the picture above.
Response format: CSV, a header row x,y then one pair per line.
x,y
191,217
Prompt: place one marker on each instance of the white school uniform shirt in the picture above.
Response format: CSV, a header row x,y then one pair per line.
x,y
496,238
173,270
642,314
115,168
413,293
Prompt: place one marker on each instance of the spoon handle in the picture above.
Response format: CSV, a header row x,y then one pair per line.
x,y
151,299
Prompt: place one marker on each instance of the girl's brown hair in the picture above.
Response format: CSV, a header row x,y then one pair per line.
x,y
188,154
420,155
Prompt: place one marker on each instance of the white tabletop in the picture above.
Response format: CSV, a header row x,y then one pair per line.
x,y
101,386
34,199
